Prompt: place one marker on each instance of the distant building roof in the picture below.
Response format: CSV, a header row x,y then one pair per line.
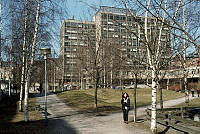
x,y
115,10
78,21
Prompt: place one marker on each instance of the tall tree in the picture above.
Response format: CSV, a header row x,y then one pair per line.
x,y
29,72
168,15
30,28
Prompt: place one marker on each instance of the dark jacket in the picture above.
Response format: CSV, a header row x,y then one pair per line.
x,y
124,104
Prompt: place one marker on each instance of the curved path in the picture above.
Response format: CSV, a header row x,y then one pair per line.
x,y
64,120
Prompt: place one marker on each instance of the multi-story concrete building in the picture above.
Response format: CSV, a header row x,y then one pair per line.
x,y
126,29
74,35
118,28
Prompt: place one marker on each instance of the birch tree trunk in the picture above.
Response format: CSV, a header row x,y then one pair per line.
x,y
151,61
9,81
26,111
168,84
184,55
27,81
23,63
153,104
9,86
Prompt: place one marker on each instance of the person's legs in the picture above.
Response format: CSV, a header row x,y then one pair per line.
x,y
124,115
127,114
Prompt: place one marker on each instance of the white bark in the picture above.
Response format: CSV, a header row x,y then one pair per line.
x,y
146,36
10,73
153,61
9,87
168,84
184,55
27,81
177,9
153,104
54,78
146,20
26,111
135,98
23,63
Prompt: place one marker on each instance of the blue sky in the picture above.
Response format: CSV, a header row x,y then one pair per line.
x,y
80,10
83,9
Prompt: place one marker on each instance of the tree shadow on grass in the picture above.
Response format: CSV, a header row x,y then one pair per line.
x,y
32,95
8,108
164,131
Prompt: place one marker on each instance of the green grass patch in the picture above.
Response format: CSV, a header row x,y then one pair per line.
x,y
109,99
192,103
34,115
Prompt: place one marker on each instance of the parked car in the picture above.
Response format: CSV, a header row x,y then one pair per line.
x,y
194,114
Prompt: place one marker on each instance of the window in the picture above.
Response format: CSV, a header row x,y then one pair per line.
x,y
67,24
104,16
111,17
67,43
66,37
73,37
110,22
67,49
129,19
111,29
116,17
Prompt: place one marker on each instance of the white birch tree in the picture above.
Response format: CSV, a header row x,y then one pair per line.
x,y
167,13
29,73
23,60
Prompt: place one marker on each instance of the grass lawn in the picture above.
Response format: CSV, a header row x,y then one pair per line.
x,y
109,99
192,103
33,115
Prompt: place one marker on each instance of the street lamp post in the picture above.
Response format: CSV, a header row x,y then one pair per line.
x,y
45,52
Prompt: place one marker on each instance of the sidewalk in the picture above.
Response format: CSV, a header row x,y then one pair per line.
x,y
166,104
64,120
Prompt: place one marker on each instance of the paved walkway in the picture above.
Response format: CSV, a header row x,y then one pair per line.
x,y
64,120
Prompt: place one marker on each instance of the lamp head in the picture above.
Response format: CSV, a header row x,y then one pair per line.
x,y
45,51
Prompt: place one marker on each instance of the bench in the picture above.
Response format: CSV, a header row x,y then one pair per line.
x,y
174,118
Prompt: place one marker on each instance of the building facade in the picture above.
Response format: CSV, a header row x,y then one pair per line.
x,y
74,35
121,32
125,29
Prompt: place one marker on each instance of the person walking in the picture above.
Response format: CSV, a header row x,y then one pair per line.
x,y
125,101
